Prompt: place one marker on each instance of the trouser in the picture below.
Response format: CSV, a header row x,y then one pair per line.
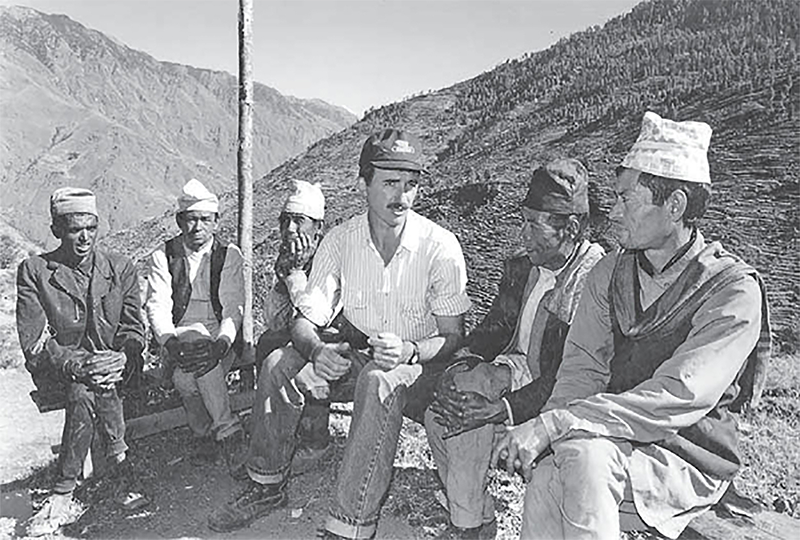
x,y
206,401
88,413
379,398
581,491
462,463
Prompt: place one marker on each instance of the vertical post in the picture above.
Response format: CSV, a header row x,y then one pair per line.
x,y
245,168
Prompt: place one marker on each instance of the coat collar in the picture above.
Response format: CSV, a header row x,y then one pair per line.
x,y
63,276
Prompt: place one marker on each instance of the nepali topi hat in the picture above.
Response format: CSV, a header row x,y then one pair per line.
x,y
195,196
560,187
670,149
72,200
306,199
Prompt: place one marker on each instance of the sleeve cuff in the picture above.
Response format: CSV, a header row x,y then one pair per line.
x,y
510,420
227,330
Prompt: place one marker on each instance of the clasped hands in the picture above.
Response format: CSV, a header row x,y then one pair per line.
x,y
387,351
100,371
198,357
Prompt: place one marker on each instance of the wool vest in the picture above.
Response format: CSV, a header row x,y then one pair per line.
x,y
643,340
179,271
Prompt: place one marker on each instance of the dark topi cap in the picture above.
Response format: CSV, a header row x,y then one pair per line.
x,y
560,187
392,149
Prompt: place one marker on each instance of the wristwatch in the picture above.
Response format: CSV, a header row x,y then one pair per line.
x,y
414,355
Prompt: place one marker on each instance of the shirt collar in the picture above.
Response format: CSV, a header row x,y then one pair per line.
x,y
204,249
409,238
649,269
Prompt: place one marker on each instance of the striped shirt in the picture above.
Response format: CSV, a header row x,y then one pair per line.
x,y
427,276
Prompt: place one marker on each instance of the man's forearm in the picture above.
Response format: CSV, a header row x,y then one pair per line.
x,y
438,347
305,337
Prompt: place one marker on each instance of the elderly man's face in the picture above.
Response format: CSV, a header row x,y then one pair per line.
x,y
77,233
545,244
391,195
292,226
198,227
638,223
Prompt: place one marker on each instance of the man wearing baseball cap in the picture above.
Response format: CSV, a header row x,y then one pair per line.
x,y
399,281
81,332
670,335
195,299
508,369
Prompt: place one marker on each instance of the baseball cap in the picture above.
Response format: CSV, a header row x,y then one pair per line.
x,y
392,149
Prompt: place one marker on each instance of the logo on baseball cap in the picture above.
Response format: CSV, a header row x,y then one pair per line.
x,y
392,149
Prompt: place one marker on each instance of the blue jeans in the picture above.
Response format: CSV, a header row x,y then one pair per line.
x,y
366,468
87,413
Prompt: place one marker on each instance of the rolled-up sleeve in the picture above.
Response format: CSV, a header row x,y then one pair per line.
x,y
159,297
231,294
322,298
449,280
686,386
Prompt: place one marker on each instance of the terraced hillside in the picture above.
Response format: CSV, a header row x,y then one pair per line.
x,y
733,64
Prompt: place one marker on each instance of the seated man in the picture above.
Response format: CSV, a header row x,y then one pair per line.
x,y
528,322
195,304
666,331
79,326
399,280
301,222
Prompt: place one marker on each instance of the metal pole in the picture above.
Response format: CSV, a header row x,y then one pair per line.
x,y
245,168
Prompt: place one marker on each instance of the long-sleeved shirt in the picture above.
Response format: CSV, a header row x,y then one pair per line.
x,y
199,316
668,491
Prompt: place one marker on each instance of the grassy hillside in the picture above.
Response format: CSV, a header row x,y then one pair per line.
x,y
584,97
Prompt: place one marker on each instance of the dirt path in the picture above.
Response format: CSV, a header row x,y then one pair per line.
x,y
184,495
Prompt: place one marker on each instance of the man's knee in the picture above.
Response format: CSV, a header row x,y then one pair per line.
x,y
79,396
591,468
591,455
280,362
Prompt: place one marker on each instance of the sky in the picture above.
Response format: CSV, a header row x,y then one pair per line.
x,y
353,53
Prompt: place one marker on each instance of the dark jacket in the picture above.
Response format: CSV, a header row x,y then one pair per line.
x,y
52,313
498,330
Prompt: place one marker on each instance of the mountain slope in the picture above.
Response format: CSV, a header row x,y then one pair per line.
x,y
732,64
79,108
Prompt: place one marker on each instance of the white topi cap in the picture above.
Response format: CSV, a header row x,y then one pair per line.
x,y
671,149
306,199
195,196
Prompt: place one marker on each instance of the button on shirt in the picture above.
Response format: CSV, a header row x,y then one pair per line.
x,y
427,276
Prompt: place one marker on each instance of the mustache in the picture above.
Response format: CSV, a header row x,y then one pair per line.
x,y
397,206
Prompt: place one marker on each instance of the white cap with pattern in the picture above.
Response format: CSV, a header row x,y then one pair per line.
x,y
306,199
671,149
195,196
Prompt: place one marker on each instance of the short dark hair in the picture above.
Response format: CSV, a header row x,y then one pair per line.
x,y
367,172
697,195
560,221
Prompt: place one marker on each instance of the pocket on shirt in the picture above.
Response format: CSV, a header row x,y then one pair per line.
x,y
354,302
